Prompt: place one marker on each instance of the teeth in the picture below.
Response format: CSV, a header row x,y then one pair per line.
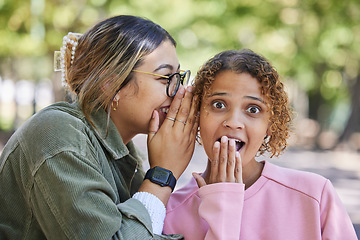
x,y
164,110
237,141
239,144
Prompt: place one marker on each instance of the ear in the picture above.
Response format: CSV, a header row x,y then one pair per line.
x,y
117,97
268,133
105,89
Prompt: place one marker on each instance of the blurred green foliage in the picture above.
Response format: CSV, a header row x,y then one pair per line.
x,y
314,43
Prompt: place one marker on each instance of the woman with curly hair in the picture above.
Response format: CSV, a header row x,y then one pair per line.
x,y
244,113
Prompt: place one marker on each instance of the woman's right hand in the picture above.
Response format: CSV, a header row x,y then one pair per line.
x,y
172,145
225,165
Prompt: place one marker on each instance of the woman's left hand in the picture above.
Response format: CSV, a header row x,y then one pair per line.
x,y
172,146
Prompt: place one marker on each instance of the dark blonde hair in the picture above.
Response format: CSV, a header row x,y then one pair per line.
x,y
105,57
246,61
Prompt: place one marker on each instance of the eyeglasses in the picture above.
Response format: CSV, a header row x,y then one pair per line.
x,y
173,80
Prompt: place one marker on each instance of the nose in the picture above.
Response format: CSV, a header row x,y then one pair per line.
x,y
234,122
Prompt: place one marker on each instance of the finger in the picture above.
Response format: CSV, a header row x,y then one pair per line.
x,y
223,158
192,118
184,110
170,120
238,168
230,175
153,125
181,121
199,180
195,127
215,163
174,107
194,130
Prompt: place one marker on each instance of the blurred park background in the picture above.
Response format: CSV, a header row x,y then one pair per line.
x,y
314,44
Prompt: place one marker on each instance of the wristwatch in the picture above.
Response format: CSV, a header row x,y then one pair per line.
x,y
161,176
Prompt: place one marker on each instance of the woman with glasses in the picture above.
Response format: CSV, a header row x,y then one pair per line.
x,y
71,171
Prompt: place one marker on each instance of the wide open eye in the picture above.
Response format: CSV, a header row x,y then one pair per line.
x,y
253,109
218,105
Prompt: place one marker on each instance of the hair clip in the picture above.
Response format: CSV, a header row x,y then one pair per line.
x,y
59,56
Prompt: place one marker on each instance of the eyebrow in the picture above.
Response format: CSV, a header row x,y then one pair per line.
x,y
167,66
250,97
256,99
217,94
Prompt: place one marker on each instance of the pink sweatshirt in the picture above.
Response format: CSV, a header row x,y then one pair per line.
x,y
283,204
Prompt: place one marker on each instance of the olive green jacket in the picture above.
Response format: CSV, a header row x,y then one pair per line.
x,y
61,179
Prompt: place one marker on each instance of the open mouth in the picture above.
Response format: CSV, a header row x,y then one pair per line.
x,y
164,110
238,144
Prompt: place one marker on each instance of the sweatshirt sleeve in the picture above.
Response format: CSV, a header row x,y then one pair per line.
x,y
335,222
221,207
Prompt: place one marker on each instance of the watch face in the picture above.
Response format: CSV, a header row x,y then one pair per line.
x,y
160,175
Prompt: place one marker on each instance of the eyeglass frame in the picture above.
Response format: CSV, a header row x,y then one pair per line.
x,y
169,78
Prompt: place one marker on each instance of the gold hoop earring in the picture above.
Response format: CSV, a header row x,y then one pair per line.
x,y
115,107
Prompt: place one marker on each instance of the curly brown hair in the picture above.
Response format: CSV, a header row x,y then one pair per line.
x,y
246,61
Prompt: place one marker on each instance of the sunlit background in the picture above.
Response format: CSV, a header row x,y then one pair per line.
x,y
314,44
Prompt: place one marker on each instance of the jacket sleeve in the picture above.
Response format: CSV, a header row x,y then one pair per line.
x,y
128,210
335,222
71,199
221,207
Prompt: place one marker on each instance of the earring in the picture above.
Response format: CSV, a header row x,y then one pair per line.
x,y
115,107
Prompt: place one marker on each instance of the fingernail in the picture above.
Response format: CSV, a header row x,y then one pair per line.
x,y
224,139
216,144
232,142
189,89
181,90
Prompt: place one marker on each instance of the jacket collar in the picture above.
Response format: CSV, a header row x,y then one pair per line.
x,y
112,142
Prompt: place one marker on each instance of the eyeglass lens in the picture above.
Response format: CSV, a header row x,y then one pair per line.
x,y
186,78
175,81
173,85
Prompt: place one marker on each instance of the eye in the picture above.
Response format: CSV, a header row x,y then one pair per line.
x,y
164,80
218,105
253,109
